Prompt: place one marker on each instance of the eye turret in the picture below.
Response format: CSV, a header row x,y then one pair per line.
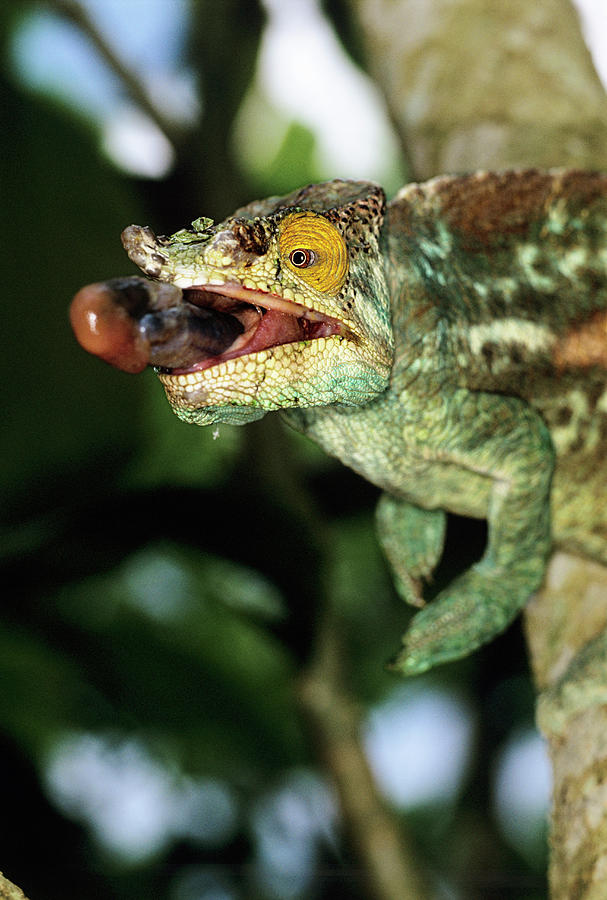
x,y
313,249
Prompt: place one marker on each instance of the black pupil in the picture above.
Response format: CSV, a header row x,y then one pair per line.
x,y
300,258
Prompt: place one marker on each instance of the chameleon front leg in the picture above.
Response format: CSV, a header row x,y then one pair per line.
x,y
412,540
488,455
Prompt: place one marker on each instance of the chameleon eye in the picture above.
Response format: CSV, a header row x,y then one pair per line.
x,y
314,250
301,258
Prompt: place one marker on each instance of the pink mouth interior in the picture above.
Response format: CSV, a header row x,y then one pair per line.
x,y
267,320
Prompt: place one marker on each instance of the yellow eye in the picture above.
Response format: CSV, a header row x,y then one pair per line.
x,y
315,250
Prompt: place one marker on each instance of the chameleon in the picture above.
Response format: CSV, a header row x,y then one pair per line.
x,y
450,346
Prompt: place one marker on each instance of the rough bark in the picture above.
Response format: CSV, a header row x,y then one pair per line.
x,y
566,627
476,84
9,891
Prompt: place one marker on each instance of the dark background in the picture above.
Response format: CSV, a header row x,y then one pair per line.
x,y
162,587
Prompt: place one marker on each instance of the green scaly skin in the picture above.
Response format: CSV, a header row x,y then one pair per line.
x,y
464,370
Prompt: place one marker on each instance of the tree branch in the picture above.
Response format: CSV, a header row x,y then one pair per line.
x,y
476,85
566,627
78,15
335,721
10,891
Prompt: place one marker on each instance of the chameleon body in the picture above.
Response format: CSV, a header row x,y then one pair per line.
x,y
450,346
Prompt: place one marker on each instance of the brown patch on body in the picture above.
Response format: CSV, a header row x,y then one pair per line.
x,y
585,345
496,203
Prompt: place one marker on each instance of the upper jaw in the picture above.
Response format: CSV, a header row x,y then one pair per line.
x,y
257,297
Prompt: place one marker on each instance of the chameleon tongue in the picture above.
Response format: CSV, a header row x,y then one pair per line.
x,y
132,323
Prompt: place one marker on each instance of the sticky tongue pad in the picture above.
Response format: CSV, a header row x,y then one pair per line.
x,y
132,323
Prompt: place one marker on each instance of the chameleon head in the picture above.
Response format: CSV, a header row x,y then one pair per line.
x,y
302,273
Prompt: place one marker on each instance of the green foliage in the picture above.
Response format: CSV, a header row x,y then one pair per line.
x,y
292,165
180,627
63,414
171,454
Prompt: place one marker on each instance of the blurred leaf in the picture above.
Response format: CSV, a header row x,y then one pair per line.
x,y
42,690
61,219
365,597
173,452
279,158
293,165
176,626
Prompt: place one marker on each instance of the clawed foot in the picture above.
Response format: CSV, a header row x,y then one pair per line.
x,y
469,613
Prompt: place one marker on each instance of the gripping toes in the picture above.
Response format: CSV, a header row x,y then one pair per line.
x,y
412,540
471,612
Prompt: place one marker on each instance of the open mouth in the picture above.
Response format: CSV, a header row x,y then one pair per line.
x,y
263,320
133,322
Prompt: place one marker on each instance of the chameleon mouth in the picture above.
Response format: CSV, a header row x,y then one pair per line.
x,y
265,321
133,322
